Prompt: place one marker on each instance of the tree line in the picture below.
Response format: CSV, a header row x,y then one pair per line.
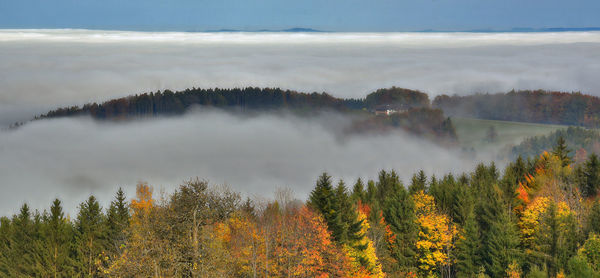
x,y
249,98
418,118
581,141
540,217
537,106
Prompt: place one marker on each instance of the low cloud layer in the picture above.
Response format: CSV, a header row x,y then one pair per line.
x,y
45,69
72,158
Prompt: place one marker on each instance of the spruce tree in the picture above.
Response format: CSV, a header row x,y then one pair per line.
x,y
502,246
58,243
399,212
467,249
324,200
22,245
5,244
418,182
358,192
117,221
561,150
90,236
350,226
591,176
593,223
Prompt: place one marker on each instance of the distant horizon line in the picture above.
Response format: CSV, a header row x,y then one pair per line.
x,y
312,30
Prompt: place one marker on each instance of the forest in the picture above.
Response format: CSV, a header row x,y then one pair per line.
x,y
250,98
581,141
537,106
416,116
538,217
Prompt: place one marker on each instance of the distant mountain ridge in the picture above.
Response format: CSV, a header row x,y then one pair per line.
x,y
511,30
290,30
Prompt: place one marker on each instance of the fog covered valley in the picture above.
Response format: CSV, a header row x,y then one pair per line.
x,y
233,154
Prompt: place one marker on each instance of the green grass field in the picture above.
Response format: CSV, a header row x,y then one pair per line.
x,y
472,132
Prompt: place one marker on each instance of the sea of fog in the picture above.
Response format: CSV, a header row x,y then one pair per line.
x,y
72,158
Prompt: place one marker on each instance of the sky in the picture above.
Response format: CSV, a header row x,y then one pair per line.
x,y
329,15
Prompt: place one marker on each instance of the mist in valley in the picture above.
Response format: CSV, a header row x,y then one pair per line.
x,y
71,158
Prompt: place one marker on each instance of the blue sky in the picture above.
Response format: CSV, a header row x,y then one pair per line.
x,y
330,15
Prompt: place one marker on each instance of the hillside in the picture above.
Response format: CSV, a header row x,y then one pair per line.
x,y
525,106
474,133
413,114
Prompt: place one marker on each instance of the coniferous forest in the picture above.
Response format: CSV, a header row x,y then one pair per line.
x,y
539,217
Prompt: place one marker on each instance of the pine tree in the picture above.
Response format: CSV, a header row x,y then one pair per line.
x,y
561,150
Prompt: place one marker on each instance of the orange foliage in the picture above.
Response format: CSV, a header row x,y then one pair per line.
x,y
295,243
144,200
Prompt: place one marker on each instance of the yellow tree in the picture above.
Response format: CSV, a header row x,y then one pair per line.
x,y
436,236
146,252
363,258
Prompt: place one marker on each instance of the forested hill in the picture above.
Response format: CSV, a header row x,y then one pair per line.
x,y
170,103
581,143
414,112
526,106
250,98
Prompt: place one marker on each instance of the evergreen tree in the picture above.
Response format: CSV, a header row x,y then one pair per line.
x,y
327,200
90,236
502,246
399,212
561,150
350,226
117,221
57,244
358,192
5,244
593,223
21,252
321,196
467,249
418,183
591,176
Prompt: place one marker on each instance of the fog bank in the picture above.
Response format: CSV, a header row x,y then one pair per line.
x,y
71,158
45,69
